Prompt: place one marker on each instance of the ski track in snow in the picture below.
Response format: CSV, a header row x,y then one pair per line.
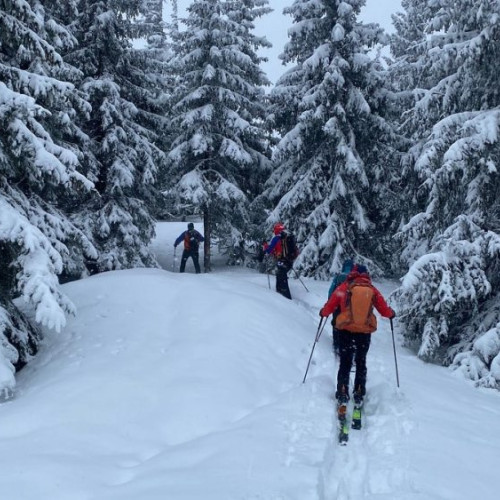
x,y
370,466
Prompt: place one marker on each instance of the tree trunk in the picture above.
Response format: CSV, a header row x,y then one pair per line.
x,y
207,235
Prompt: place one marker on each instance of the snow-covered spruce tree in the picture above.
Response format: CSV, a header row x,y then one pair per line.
x,y
151,25
219,152
410,71
40,156
449,298
122,126
332,149
152,83
156,79
407,74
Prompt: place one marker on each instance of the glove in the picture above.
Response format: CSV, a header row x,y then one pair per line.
x,y
393,315
175,246
322,313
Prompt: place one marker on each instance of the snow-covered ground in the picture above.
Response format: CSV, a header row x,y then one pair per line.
x,y
189,387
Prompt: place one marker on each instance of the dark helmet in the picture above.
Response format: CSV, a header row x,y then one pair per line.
x,y
362,269
190,226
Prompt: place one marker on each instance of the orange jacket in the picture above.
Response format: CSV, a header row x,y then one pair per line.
x,y
339,298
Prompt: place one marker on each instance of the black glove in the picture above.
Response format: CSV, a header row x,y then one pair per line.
x,y
393,315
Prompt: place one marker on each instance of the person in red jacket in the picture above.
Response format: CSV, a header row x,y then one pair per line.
x,y
356,298
283,265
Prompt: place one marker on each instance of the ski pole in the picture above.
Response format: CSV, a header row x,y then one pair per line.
x,y
175,260
394,348
266,261
318,335
298,277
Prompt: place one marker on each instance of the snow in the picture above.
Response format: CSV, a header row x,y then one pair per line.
x,y
185,387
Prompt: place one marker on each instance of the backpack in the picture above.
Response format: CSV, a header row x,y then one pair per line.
x,y
289,248
191,241
358,316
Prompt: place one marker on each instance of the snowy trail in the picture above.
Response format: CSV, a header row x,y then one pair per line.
x,y
375,463
389,457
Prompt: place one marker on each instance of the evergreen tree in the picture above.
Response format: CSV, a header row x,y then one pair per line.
x,y
411,72
452,241
332,146
219,151
151,26
154,81
123,127
157,76
41,155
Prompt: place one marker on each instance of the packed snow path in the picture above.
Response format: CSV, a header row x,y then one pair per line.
x,y
187,387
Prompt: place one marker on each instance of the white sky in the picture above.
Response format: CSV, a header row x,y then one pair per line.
x,y
275,25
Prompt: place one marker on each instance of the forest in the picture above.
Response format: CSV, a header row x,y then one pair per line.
x,y
391,161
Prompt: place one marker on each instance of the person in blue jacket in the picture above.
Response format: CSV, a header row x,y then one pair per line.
x,y
192,240
338,279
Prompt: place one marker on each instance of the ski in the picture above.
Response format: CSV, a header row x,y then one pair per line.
x,y
343,435
356,416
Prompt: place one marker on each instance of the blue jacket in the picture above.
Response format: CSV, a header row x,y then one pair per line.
x,y
339,278
185,236
273,246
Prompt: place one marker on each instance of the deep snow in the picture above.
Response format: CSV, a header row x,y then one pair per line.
x,y
180,387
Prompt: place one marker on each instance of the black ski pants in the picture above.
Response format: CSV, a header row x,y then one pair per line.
x,y
282,269
194,255
335,337
352,346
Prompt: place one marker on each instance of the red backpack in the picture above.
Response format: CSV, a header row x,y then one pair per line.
x,y
190,240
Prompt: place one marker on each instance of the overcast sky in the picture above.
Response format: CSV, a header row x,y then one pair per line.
x,y
275,25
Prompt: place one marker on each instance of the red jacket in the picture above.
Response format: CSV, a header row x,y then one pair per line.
x,y
274,247
339,298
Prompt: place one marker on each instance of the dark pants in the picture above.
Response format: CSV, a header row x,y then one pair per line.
x,y
352,346
335,336
185,256
282,279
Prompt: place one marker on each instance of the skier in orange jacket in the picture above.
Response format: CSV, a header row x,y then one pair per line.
x,y
356,298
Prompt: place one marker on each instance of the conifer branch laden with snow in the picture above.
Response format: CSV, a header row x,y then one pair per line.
x,y
323,107
41,156
219,146
124,124
451,241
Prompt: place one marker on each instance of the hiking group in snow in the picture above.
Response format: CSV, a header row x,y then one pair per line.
x,y
351,299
